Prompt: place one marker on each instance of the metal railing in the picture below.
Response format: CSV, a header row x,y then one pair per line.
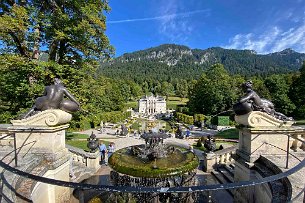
x,y
14,147
140,189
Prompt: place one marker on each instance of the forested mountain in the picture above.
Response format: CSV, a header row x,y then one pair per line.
x,y
169,61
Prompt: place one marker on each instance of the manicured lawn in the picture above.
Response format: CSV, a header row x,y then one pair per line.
x,y
71,136
82,144
133,105
175,102
172,102
228,134
183,100
135,126
300,122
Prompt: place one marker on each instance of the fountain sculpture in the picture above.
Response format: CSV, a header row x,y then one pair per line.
x,y
154,164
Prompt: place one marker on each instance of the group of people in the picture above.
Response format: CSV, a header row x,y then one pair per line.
x,y
106,152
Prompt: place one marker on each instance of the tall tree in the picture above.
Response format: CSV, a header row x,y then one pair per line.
x,y
71,31
296,93
213,93
167,89
182,88
73,35
279,89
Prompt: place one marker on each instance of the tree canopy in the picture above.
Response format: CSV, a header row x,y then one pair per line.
x,y
69,31
213,92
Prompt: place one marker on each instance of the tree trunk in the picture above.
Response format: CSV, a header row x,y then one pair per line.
x,y
61,52
21,48
36,44
53,51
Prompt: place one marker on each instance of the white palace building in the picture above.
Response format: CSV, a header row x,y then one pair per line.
x,y
152,105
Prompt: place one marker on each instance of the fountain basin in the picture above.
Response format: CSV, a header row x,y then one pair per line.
x,y
176,163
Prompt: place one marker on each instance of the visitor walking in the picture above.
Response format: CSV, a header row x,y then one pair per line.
x,y
103,151
188,133
111,149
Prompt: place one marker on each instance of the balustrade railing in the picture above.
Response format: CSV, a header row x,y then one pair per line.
x,y
8,138
87,159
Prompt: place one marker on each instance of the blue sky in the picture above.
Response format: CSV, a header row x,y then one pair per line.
x,y
261,25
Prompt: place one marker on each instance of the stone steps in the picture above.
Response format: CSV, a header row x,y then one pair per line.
x,y
230,169
279,191
226,174
223,176
81,172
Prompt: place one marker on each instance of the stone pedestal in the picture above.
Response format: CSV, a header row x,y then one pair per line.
x,y
209,160
255,142
262,134
94,161
44,134
258,119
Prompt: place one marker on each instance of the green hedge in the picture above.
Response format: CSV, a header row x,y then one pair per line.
x,y
221,120
199,117
228,134
185,118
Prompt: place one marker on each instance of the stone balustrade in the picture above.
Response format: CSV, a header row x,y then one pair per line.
x,y
87,159
5,140
296,144
214,159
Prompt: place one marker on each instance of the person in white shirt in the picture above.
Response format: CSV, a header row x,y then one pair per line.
x,y
111,149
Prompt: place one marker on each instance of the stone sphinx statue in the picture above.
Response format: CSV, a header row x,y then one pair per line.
x,y
53,98
251,101
210,144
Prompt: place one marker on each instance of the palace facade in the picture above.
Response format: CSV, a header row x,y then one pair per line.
x,y
152,105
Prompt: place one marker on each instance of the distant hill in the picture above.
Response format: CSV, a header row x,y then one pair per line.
x,y
175,61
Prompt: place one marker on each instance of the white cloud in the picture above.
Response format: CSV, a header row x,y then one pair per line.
x,y
162,17
272,40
